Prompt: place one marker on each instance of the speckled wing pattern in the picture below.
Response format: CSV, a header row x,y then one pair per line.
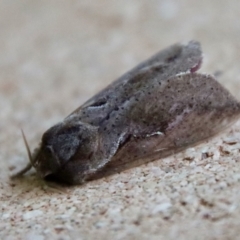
x,y
160,107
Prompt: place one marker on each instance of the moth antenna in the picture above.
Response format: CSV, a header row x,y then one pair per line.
x,y
27,148
31,162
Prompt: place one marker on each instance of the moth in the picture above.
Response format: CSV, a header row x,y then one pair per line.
x,y
158,108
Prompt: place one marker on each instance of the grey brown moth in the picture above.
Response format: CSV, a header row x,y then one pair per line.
x,y
158,108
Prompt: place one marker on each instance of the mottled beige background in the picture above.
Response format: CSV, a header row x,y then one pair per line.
x,y
56,54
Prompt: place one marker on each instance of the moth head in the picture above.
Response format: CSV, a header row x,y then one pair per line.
x,y
65,145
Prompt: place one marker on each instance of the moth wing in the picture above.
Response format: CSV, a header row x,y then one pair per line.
x,y
185,110
179,57
164,65
167,63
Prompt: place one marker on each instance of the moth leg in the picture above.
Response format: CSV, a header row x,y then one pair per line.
x,y
21,172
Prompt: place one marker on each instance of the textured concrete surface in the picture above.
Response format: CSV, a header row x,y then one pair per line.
x,y
54,55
